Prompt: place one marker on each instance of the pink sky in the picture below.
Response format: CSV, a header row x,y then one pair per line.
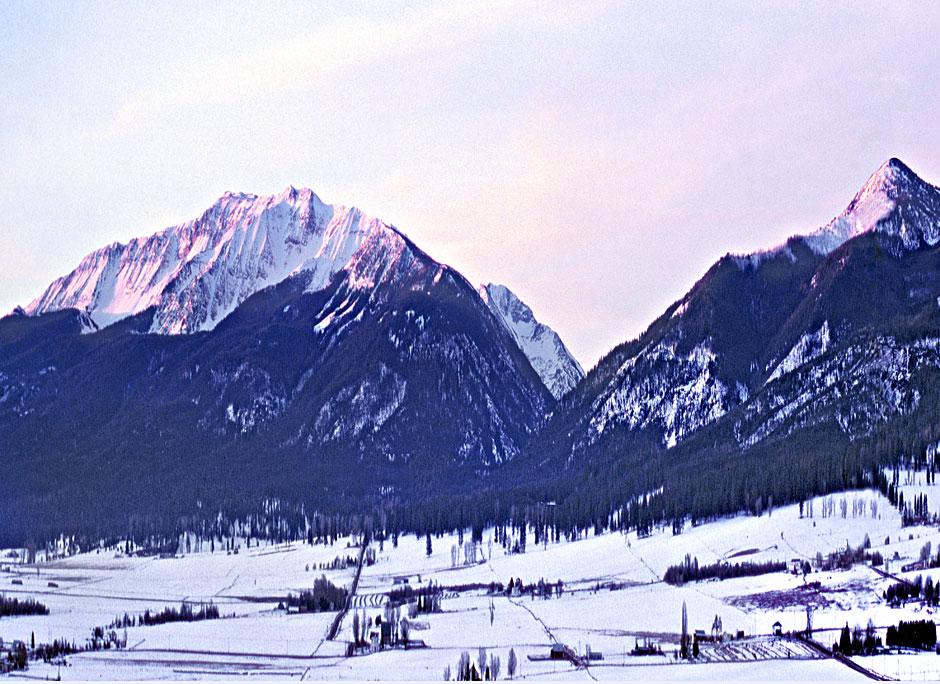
x,y
594,157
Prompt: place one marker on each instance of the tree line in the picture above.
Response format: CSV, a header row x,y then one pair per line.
x,y
914,634
690,571
28,606
621,483
324,597
185,613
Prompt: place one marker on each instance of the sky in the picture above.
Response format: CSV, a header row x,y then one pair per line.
x,y
594,157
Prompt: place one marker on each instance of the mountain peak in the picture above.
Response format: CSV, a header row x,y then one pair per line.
x,y
549,356
892,178
894,200
892,168
197,272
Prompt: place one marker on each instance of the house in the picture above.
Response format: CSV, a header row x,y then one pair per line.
x,y
796,566
648,647
778,629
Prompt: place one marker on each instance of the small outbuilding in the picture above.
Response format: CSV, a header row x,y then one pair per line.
x,y
778,629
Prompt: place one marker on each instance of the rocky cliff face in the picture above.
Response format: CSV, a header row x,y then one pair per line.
x,y
549,356
196,273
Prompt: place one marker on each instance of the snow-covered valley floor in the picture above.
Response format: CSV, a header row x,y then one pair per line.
x,y
613,598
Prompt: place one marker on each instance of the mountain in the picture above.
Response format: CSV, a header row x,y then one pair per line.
x,y
198,272
327,359
549,356
894,201
384,378
835,333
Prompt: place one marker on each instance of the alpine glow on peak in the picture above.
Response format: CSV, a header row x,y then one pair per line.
x,y
198,272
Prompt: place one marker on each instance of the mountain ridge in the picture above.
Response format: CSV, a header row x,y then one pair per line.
x,y
786,373
751,320
368,371
555,364
198,271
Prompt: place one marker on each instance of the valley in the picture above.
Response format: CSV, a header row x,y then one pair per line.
x,y
612,600
281,440
469,341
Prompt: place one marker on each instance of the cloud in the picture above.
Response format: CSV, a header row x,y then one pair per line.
x,y
299,64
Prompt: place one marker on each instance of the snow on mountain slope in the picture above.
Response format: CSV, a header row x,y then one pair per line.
x,y
808,348
894,201
549,356
754,324
859,387
677,393
196,273
873,203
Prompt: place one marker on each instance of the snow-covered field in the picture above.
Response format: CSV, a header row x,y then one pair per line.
x,y
253,638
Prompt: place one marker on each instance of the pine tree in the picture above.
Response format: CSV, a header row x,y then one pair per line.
x,y
684,643
429,544
845,641
463,667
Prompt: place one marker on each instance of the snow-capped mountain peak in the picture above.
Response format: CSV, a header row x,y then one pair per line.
x,y
197,272
890,177
894,200
549,356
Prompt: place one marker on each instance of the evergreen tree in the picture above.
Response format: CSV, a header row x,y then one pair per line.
x,y
684,643
845,641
